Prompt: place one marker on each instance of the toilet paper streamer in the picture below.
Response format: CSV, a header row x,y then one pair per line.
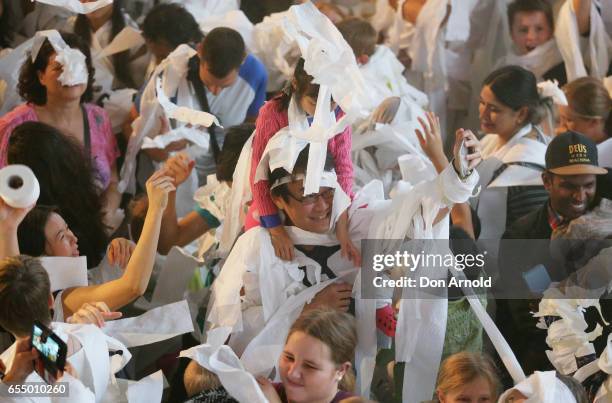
x,y
19,187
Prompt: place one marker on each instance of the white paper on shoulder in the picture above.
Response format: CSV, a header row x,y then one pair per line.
x,y
155,325
65,272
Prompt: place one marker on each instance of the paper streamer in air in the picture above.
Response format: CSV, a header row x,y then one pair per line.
x,y
182,113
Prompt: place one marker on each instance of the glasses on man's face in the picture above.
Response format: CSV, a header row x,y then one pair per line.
x,y
327,195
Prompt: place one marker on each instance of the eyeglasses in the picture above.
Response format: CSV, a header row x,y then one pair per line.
x,y
327,195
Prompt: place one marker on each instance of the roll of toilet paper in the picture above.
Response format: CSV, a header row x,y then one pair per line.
x,y
19,187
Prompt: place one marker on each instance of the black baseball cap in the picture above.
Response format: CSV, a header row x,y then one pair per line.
x,y
572,153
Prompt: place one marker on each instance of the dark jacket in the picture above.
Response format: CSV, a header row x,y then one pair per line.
x,y
523,246
531,226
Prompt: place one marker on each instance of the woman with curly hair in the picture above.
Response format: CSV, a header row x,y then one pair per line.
x,y
66,108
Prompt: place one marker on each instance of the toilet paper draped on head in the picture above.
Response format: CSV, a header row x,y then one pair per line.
x,y
73,62
74,67
331,63
282,151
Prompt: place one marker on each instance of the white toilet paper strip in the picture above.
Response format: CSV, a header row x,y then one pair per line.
x,y
65,272
76,6
155,325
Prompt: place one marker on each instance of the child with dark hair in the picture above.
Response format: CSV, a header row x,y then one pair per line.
x,y
303,92
167,26
532,32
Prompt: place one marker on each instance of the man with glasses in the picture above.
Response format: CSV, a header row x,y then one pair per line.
x,y
256,291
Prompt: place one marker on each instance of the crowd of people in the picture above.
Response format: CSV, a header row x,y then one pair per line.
x,y
216,176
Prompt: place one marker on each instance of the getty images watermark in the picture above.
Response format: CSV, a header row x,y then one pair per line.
x,y
500,269
386,263
428,266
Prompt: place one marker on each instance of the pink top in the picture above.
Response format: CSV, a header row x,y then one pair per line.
x,y
104,151
269,122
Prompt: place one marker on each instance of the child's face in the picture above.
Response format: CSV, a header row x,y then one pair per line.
x,y
530,30
309,105
307,370
477,391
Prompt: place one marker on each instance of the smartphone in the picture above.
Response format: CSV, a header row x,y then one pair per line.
x,y
52,351
464,165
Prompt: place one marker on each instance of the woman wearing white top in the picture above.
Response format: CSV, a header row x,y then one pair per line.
x,y
513,153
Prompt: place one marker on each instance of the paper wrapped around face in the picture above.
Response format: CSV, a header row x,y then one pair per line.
x,y
155,325
73,61
65,272
76,6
